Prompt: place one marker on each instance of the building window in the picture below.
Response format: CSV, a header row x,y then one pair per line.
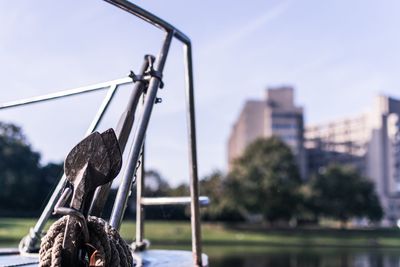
x,y
288,137
278,126
285,115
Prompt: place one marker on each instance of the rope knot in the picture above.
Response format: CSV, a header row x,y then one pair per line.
x,y
105,247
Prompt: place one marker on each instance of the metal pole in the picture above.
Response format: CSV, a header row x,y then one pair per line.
x,y
147,16
194,180
139,207
150,18
164,201
123,131
126,184
29,243
70,92
104,105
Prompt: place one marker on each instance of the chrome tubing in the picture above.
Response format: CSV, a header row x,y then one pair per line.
x,y
194,179
165,201
139,207
126,183
123,131
150,18
104,105
158,22
60,94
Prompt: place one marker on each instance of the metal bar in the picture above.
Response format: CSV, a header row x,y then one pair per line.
x,y
163,201
194,180
139,208
123,131
150,18
126,184
70,92
34,236
195,218
139,240
104,105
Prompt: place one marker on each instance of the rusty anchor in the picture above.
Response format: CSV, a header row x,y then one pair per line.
x,y
95,161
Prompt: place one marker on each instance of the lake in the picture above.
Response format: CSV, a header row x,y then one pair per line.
x,y
301,257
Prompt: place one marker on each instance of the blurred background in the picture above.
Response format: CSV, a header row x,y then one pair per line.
x,y
298,121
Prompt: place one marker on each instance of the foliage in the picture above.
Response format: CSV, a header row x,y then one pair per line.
x,y
308,211
180,190
342,193
221,208
155,185
266,179
24,183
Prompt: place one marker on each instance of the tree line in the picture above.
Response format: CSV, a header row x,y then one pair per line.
x,y
265,181
24,182
263,185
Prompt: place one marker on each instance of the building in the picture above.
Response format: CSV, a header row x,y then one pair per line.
x,y
276,115
342,142
369,142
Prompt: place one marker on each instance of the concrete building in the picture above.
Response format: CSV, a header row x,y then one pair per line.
x,y
341,141
276,115
370,142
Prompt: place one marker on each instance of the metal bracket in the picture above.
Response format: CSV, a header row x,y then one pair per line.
x,y
149,73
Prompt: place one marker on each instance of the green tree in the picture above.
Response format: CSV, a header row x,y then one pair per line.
x,y
340,192
49,175
19,169
155,185
24,184
266,180
221,207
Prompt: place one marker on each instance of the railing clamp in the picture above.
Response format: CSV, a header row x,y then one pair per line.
x,y
149,73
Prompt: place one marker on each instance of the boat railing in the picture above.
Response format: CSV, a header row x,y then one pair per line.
x,y
31,242
147,83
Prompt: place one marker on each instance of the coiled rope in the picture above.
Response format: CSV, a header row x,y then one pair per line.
x,y
105,239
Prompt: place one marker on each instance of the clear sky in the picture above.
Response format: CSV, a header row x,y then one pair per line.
x,y
337,54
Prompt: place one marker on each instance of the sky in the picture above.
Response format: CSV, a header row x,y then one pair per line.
x,y
337,55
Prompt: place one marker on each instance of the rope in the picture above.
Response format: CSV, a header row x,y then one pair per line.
x,y
104,240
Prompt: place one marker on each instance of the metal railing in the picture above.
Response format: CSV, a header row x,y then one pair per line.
x,y
193,172
30,243
147,83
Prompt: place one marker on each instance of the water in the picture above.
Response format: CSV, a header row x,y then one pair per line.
x,y
302,257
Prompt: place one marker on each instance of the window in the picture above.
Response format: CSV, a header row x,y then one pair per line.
x,y
278,126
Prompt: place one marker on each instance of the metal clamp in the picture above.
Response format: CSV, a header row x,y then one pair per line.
x,y
149,73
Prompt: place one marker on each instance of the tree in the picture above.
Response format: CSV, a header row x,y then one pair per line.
x,y
49,175
24,184
155,185
19,169
221,207
265,179
340,192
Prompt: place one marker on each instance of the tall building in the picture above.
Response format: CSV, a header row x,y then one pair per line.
x,y
276,115
369,142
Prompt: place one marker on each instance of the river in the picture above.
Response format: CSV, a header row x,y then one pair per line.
x,y
301,257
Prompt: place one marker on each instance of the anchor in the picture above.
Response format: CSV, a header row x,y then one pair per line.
x,y
95,161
